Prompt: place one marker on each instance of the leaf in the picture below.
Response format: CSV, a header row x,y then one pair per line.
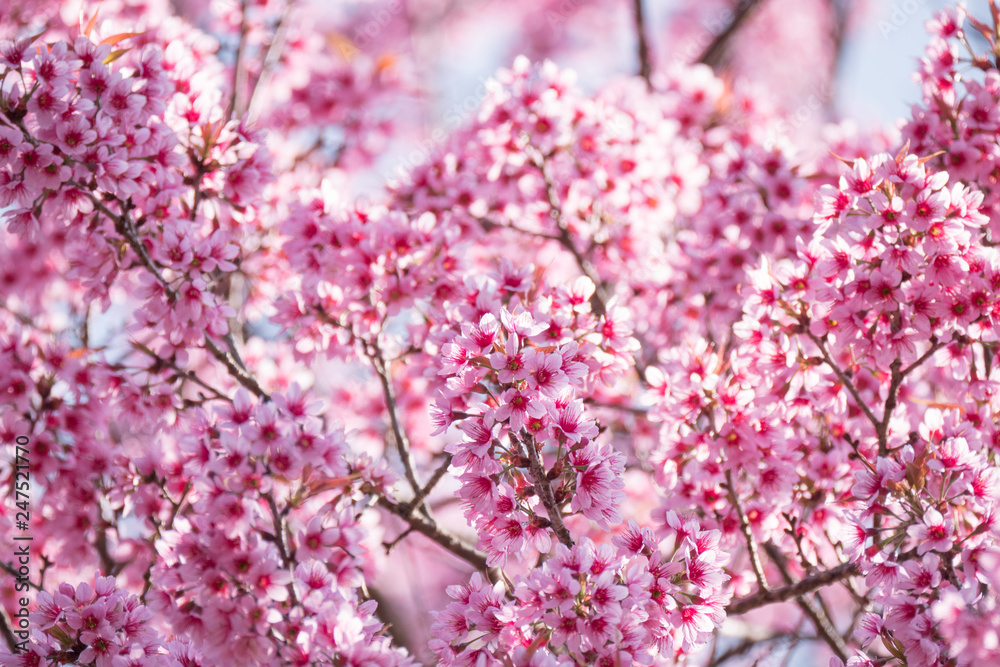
x,y
986,31
930,157
114,39
33,38
343,45
329,483
385,62
115,55
93,20
903,151
849,163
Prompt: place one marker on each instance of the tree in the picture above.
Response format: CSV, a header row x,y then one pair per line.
x,y
708,374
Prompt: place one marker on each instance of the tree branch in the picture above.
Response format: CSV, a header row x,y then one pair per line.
x,y
239,68
758,570
429,486
645,67
271,58
818,616
807,585
844,380
431,530
935,346
7,631
374,354
714,52
543,488
234,368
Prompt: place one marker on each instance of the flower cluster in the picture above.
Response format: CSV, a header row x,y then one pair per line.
x,y
693,389
532,360
594,604
99,625
357,268
957,118
897,275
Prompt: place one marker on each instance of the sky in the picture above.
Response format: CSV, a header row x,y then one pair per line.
x,y
876,77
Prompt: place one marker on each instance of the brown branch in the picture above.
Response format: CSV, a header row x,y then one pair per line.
x,y
235,106
882,428
187,375
272,57
543,488
235,369
714,53
816,613
429,486
7,631
819,580
279,541
399,435
844,380
645,67
935,346
14,573
758,570
431,530
746,646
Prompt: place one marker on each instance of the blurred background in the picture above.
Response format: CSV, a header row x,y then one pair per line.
x,y
356,93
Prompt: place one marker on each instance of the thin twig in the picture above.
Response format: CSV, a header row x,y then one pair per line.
x,y
14,573
882,428
239,68
935,346
399,435
844,380
7,631
598,300
235,369
271,58
187,375
431,483
745,647
758,570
